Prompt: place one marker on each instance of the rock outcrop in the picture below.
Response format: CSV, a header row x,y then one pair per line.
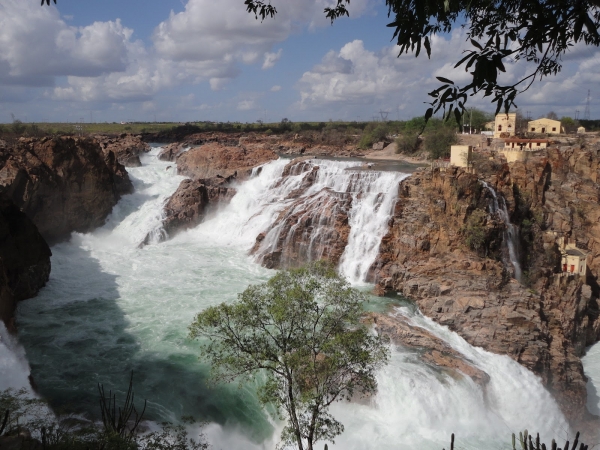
x,y
212,160
62,184
24,259
170,152
445,251
432,350
126,147
188,206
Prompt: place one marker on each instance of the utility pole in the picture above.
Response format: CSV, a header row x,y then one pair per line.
x,y
576,114
384,115
586,114
528,115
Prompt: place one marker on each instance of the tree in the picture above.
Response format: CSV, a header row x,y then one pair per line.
x,y
302,330
552,115
569,124
534,31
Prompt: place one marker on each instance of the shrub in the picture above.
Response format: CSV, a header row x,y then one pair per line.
x,y
407,142
438,142
474,230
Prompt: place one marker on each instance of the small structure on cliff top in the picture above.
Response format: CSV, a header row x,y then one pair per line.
x,y
518,149
544,125
461,155
573,259
505,125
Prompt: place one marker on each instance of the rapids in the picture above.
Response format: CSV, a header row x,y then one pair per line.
x,y
111,307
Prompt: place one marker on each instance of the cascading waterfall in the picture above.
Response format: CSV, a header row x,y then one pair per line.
x,y
111,307
370,194
511,233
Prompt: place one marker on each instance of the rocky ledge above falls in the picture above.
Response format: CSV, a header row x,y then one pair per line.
x,y
62,184
126,147
215,159
444,250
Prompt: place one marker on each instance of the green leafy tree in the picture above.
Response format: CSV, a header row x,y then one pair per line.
x,y
569,124
302,330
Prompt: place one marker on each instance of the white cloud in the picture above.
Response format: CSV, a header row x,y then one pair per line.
x,y
36,43
271,59
246,105
276,88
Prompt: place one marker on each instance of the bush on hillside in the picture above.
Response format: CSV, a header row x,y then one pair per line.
x,y
407,143
438,142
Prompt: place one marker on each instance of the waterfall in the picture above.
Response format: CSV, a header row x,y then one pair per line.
x,y
314,197
111,307
511,232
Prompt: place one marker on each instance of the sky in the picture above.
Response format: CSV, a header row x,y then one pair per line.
x,y
196,60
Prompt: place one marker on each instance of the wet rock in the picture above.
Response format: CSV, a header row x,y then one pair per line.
x,y
311,228
432,349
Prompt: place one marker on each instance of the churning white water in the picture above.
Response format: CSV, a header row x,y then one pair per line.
x,y
112,307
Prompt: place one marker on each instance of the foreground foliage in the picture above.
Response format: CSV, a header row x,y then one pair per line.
x,y
28,423
301,330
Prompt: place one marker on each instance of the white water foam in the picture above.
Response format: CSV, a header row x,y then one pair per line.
x,y
14,369
591,368
111,307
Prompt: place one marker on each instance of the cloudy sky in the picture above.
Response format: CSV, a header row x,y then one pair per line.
x,y
187,60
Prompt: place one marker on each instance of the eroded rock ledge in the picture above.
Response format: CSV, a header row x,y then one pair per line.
x,y
432,350
62,184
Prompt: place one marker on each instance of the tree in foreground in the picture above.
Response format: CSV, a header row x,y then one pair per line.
x,y
301,330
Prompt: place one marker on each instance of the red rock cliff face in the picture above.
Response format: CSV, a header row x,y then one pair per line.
x,y
62,184
444,250
24,259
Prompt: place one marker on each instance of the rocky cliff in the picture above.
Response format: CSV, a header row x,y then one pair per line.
x,y
24,259
446,249
190,204
62,184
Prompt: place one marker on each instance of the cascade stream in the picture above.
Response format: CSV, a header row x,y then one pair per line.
x,y
511,233
111,307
